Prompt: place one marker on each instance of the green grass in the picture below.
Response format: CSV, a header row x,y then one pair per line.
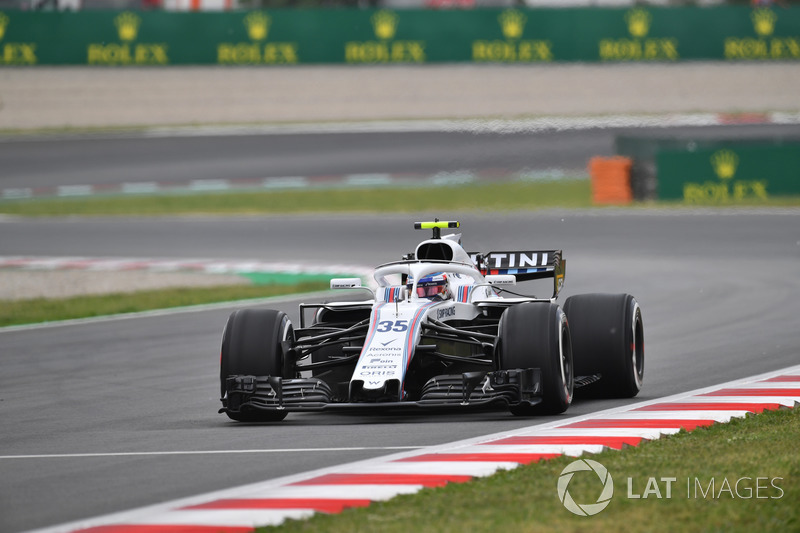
x,y
44,310
569,193
525,499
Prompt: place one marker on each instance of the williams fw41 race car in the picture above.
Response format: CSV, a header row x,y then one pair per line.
x,y
444,328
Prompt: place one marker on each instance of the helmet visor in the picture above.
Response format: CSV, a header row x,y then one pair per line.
x,y
429,291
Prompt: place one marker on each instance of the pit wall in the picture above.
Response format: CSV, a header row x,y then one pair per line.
x,y
280,37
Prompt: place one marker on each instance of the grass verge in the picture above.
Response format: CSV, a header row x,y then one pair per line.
x,y
569,193
37,310
525,499
519,195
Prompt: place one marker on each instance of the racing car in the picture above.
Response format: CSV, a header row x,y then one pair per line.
x,y
442,328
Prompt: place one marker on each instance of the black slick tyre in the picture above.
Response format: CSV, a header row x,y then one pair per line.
x,y
608,339
251,345
537,335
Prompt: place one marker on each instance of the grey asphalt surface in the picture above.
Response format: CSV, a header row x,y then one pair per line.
x,y
719,291
91,160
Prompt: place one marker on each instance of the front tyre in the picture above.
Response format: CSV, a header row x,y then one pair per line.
x,y
251,346
608,339
537,335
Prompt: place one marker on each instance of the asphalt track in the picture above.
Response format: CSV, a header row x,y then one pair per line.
x,y
135,158
120,414
138,397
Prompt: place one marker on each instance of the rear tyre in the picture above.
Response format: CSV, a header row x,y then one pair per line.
x,y
537,335
251,346
608,339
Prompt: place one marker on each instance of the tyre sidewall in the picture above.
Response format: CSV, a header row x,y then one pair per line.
x,y
251,345
607,330
536,335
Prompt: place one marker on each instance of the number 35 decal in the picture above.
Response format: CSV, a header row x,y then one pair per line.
x,y
392,325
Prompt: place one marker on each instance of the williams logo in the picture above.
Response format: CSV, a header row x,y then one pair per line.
x,y
765,45
724,164
512,49
15,53
639,47
257,52
385,49
128,51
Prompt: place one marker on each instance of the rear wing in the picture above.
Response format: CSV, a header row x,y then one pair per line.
x,y
524,265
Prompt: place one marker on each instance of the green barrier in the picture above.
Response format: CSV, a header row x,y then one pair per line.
x,y
409,36
738,172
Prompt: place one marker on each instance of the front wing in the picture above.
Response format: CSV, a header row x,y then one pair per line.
x,y
470,390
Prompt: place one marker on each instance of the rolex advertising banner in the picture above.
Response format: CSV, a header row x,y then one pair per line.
x,y
729,174
367,36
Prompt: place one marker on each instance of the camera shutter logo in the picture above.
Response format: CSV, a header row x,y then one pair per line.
x,y
585,509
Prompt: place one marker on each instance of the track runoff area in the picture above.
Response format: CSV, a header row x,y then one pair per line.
x,y
331,490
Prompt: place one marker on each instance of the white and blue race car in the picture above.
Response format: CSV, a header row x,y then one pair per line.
x,y
441,328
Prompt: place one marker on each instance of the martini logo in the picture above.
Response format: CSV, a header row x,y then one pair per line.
x,y
725,189
513,49
765,45
639,47
257,52
385,49
15,53
128,51
605,493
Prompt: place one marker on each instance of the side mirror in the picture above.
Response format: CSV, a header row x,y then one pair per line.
x,y
345,283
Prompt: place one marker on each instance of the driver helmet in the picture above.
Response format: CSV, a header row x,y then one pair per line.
x,y
430,286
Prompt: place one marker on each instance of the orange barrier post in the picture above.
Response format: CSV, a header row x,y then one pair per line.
x,y
611,180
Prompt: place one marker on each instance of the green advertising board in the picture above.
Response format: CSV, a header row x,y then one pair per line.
x,y
733,173
370,36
